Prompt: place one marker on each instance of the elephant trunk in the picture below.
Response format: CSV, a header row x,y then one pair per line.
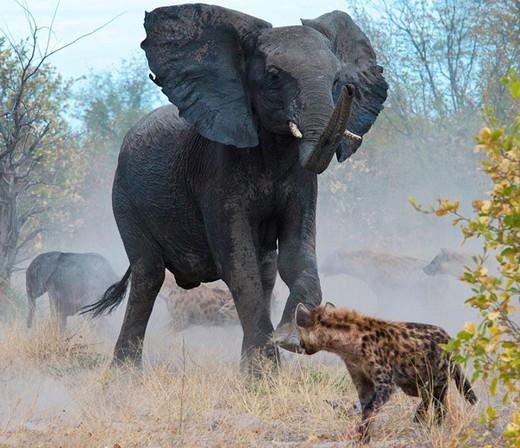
x,y
323,130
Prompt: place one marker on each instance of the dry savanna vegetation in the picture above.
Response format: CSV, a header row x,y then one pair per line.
x,y
62,392
444,61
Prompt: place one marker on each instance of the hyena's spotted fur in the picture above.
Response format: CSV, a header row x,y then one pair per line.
x,y
383,355
205,305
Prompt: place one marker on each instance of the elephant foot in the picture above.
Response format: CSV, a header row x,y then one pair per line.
x,y
258,362
286,336
127,356
128,363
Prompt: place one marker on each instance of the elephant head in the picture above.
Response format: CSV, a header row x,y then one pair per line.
x,y
36,278
233,77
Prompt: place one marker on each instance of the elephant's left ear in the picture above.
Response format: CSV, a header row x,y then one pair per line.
x,y
197,53
360,68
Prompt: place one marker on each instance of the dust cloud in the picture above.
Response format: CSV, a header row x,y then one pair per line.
x,y
45,395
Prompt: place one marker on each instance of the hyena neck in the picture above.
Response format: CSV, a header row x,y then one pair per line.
x,y
344,342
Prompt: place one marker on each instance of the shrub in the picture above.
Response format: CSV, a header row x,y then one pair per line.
x,y
493,345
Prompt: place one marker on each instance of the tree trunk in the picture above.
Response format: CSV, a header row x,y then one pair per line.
x,y
9,234
5,304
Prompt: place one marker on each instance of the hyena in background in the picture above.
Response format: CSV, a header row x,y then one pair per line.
x,y
210,305
392,278
449,262
383,355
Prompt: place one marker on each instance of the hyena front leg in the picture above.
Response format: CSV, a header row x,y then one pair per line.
x,y
364,387
365,390
383,389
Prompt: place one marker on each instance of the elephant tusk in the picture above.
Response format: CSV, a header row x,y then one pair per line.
x,y
296,133
351,136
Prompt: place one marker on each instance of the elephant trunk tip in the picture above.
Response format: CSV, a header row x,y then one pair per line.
x,y
286,336
315,155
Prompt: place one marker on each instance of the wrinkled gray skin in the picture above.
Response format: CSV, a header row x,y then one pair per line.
x,y
71,281
218,187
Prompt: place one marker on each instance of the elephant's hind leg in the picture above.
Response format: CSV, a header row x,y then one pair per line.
x,y
146,281
147,276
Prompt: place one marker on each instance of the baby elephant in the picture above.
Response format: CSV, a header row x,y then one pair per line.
x,y
382,355
71,280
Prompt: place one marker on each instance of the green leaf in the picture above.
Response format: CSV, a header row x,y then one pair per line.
x,y
493,386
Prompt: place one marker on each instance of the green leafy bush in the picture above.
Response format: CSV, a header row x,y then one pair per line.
x,y
493,345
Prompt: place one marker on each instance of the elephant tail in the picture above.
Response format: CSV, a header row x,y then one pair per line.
x,y
112,298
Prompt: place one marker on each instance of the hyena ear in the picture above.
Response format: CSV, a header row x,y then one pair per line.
x,y
303,316
330,305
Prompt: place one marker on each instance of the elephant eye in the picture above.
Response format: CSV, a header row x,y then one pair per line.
x,y
273,75
337,81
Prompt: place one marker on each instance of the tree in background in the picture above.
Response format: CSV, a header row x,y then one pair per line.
x,y
442,59
107,105
40,165
499,29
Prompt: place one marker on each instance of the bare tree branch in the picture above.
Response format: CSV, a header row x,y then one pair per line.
x,y
28,131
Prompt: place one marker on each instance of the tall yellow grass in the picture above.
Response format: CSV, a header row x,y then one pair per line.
x,y
60,391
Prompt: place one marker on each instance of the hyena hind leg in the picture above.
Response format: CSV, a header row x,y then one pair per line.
x,y
437,399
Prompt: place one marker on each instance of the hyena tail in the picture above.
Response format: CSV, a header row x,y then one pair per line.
x,y
112,298
463,385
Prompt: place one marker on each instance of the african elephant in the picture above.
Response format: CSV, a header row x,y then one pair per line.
x,y
71,280
223,184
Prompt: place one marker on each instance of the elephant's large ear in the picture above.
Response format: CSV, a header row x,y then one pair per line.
x,y
40,271
197,53
360,68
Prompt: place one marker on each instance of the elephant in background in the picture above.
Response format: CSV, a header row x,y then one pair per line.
x,y
223,183
71,280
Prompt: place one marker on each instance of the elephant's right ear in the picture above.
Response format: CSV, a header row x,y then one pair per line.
x,y
197,53
360,68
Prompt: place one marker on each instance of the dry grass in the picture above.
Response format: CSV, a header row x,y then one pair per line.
x,y
60,392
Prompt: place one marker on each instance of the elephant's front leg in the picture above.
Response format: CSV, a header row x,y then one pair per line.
x,y
298,269
241,268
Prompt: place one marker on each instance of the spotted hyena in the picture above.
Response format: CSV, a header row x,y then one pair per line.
x,y
448,262
210,305
386,274
383,355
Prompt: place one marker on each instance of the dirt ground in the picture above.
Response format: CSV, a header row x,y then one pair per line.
x,y
61,392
